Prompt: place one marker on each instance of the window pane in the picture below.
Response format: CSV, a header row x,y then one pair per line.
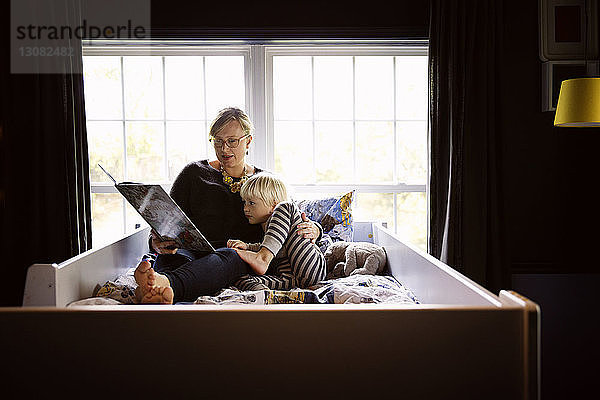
x,y
105,146
375,152
145,151
334,152
412,152
224,84
107,217
102,80
132,217
411,88
186,142
333,88
184,87
292,88
377,207
412,218
294,151
143,87
374,87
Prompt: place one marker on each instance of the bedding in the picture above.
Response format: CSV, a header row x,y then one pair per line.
x,y
335,216
354,289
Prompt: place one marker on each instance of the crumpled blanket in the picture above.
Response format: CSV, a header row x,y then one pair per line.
x,y
354,289
122,289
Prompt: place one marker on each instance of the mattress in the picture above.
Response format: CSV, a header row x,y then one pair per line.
x,y
353,289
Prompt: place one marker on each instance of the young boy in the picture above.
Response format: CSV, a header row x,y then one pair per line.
x,y
283,260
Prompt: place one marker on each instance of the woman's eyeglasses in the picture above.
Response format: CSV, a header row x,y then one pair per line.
x,y
232,143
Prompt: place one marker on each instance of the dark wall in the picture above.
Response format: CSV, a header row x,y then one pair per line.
x,y
272,19
550,177
550,171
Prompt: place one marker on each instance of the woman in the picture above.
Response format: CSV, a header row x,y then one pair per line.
x,y
208,192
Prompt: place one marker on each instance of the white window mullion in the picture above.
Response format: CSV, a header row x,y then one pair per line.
x,y
363,188
206,142
395,172
248,101
269,156
354,119
314,133
261,152
164,121
123,120
123,202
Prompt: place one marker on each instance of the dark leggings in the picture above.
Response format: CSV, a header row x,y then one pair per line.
x,y
192,277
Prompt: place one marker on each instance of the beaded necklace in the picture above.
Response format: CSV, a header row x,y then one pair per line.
x,y
228,180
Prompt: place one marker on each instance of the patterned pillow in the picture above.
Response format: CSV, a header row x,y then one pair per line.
x,y
335,216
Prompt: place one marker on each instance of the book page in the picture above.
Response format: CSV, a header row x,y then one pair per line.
x,y
161,212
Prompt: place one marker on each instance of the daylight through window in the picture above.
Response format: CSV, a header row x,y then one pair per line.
x,y
330,120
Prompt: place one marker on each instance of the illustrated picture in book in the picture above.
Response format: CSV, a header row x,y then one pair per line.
x,y
163,215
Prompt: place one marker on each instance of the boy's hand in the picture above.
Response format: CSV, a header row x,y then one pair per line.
x,y
237,244
308,229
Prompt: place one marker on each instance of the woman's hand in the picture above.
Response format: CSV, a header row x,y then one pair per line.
x,y
237,244
308,229
162,246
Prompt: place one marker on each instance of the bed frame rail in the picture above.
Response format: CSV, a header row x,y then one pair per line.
x,y
432,281
60,284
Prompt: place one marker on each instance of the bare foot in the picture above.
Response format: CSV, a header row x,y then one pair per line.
x,y
147,278
144,276
158,295
258,261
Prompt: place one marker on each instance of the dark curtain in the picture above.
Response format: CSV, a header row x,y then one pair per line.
x,y
467,225
46,213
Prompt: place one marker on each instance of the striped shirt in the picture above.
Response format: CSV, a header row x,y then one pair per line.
x,y
297,263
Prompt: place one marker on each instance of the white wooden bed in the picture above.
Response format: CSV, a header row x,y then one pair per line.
x,y
462,341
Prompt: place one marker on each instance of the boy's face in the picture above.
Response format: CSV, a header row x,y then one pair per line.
x,y
256,210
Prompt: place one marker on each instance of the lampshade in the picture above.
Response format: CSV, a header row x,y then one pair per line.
x,y
578,103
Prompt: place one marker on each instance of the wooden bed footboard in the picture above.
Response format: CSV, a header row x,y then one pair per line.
x,y
321,351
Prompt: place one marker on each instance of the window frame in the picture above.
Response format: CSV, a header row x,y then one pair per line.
x,y
343,49
258,75
176,48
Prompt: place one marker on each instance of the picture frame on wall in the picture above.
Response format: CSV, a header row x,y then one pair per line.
x,y
554,72
564,25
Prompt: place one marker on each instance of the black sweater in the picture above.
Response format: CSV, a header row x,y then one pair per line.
x,y
216,211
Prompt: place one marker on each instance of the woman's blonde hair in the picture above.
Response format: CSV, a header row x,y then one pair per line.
x,y
265,186
229,114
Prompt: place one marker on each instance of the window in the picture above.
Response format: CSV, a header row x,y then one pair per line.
x,y
354,118
148,116
330,119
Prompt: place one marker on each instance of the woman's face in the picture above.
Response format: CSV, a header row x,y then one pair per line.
x,y
228,157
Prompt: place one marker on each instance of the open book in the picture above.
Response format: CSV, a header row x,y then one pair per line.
x,y
163,215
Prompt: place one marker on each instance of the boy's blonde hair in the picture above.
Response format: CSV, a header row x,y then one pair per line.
x,y
267,187
228,114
